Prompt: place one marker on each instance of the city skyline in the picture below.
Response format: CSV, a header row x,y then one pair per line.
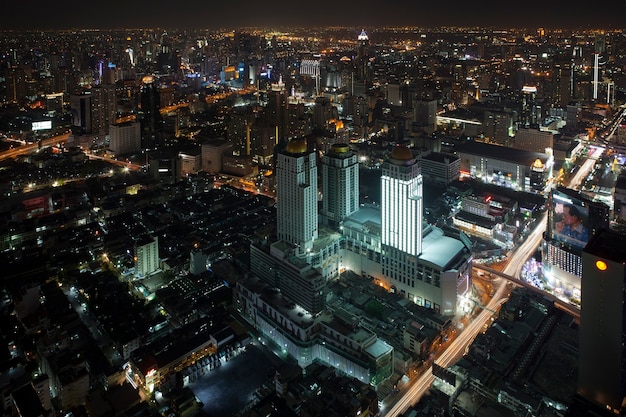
x,y
43,15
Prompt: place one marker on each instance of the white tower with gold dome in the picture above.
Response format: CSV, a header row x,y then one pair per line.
x,y
401,202
296,195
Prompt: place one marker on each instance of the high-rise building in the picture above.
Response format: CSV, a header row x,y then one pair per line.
x,y
401,204
602,358
530,111
149,113
340,184
276,109
323,112
362,60
311,68
146,255
125,138
296,194
80,107
103,108
425,114
498,126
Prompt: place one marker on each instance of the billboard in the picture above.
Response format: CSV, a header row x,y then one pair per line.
x,y
44,125
570,220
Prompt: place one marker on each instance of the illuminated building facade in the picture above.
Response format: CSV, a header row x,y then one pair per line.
x,y
296,195
417,260
602,358
562,251
146,255
439,168
340,183
335,339
506,167
402,203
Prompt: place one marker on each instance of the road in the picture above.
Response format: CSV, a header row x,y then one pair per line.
x,y
124,164
452,354
32,147
510,275
518,257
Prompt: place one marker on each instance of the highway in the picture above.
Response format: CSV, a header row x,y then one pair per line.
x,y
508,277
32,147
518,257
124,164
452,354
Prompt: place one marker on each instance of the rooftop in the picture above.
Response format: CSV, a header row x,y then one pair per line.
x,y
503,153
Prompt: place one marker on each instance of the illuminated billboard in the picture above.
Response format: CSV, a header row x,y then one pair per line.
x,y
46,124
570,220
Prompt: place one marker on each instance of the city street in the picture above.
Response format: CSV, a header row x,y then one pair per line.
x,y
453,353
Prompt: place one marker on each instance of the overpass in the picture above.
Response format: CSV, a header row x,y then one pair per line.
x,y
558,303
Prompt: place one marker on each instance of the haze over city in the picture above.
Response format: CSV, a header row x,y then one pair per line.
x,y
42,15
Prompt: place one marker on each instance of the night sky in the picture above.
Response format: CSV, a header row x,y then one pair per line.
x,y
73,14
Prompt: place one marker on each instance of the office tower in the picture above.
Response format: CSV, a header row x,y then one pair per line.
x,y
362,60
563,82
530,111
103,108
296,195
498,125
602,358
364,42
276,109
16,81
311,68
125,138
401,203
599,47
260,142
340,184
149,113
80,107
425,114
323,112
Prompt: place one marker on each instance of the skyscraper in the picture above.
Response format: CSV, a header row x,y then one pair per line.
x,y
296,194
149,112
340,184
276,109
103,108
602,358
80,106
401,183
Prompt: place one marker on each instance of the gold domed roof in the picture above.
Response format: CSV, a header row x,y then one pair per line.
x,y
340,148
296,146
401,153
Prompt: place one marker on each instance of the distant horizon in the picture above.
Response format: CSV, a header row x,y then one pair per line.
x,y
196,15
367,28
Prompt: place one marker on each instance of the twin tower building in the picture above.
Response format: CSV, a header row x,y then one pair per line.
x,y
389,244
